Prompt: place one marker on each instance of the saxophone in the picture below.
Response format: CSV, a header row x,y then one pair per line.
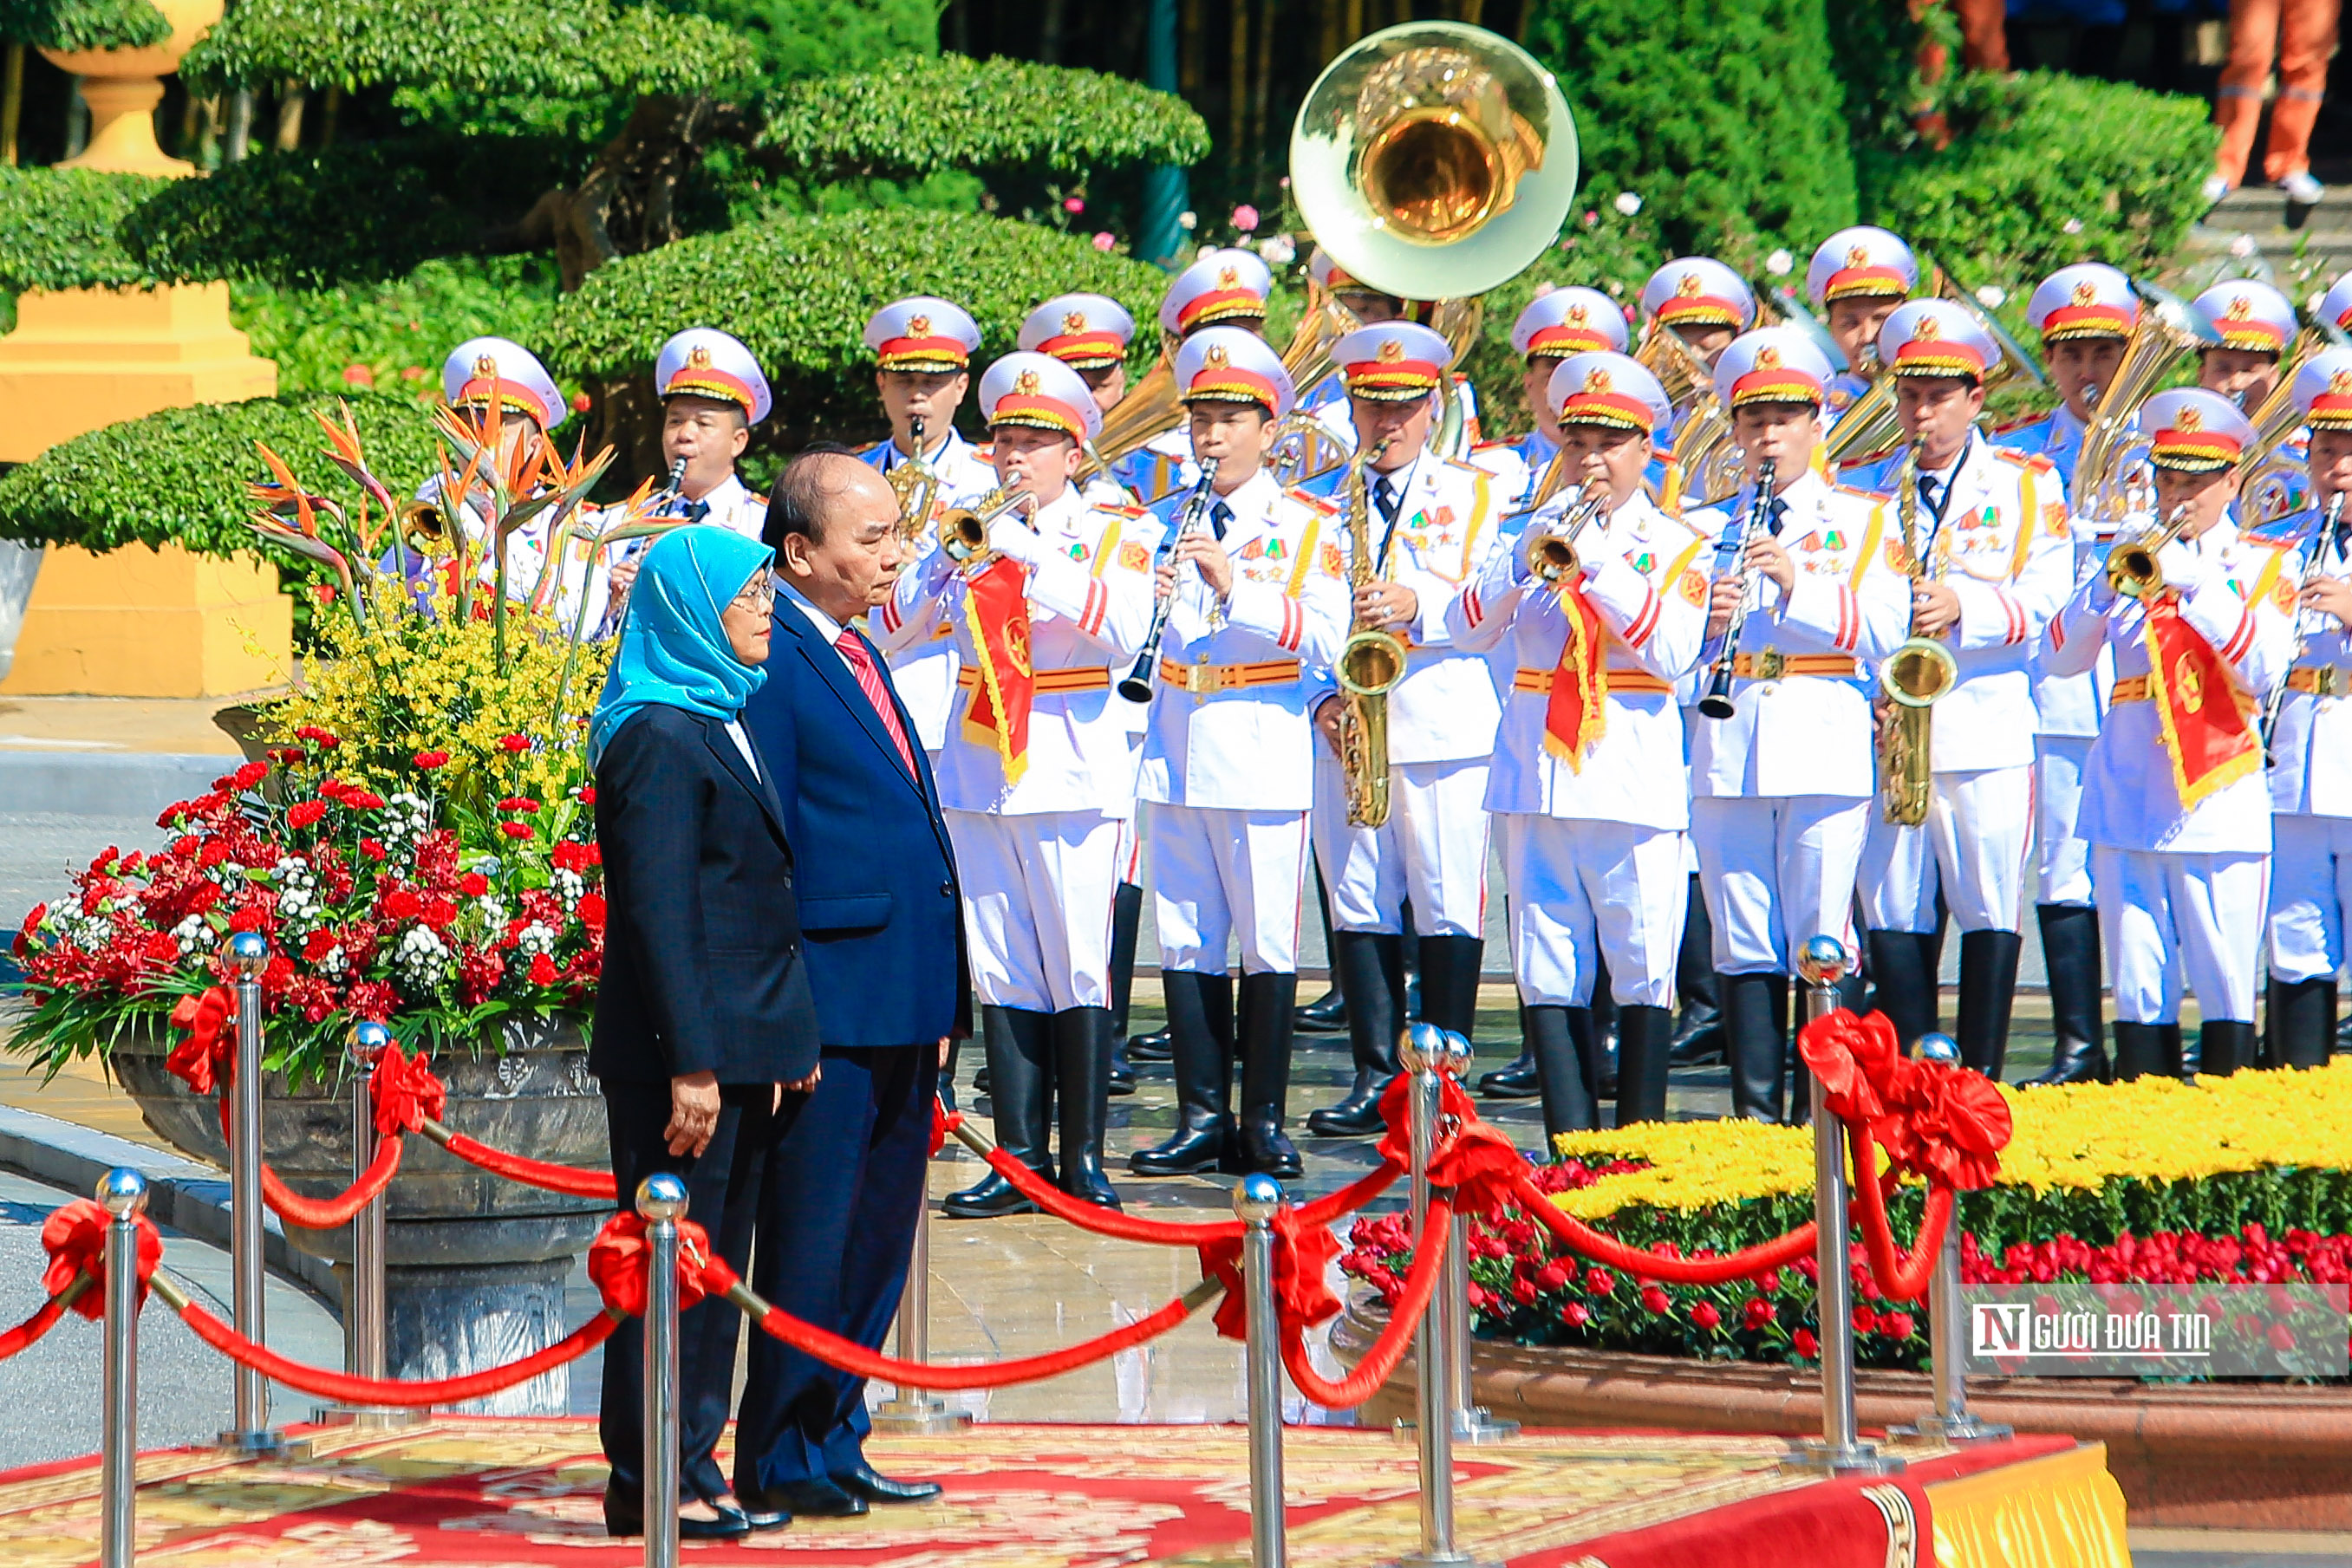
x,y
1371,662
1918,672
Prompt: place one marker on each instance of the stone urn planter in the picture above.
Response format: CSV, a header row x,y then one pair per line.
x,y
476,1264
122,88
2239,1456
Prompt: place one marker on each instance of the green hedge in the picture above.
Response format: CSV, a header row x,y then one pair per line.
x,y
796,38
59,228
2036,153
798,291
392,335
180,476
923,115
83,24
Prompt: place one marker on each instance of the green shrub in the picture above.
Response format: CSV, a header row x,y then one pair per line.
x,y
2046,170
1602,247
83,24
391,337
59,228
798,291
796,38
1722,115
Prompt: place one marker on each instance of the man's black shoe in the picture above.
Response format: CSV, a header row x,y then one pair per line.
x,y
1154,1047
867,1482
1326,1014
809,1500
625,1516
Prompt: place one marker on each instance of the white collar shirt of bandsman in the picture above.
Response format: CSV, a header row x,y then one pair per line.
x,y
1447,523
733,506
1246,748
925,672
2009,558
2129,798
2313,774
2072,705
1644,573
526,551
1089,607
1804,734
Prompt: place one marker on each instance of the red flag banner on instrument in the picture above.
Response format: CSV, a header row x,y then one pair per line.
x,y
996,611
1576,714
2205,730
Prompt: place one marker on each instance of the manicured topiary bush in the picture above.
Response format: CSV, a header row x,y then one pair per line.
x,y
59,228
83,24
390,336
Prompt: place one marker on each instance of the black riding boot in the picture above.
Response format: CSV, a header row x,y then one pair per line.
x,y
2143,1050
1370,968
1326,1014
1644,1039
1698,1031
2302,1021
1020,1076
1988,988
1269,1004
1201,1022
1449,982
1755,1031
1125,925
1515,1079
1561,1039
2070,955
2225,1045
1082,1045
1904,985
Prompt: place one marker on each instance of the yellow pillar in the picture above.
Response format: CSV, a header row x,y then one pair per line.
x,y
138,621
82,357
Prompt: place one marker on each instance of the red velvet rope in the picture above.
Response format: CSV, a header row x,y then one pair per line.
x,y
28,1333
530,1172
1902,1277
1388,1347
1110,1222
347,1389
1603,1248
1331,1205
323,1213
74,1235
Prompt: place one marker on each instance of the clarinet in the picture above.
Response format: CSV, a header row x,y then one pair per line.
x,y
2276,702
1716,704
1137,687
671,490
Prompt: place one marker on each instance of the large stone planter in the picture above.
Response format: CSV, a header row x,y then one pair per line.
x,y
475,1263
2236,1456
19,564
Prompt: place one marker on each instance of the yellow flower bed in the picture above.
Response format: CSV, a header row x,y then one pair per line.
x,y
2077,1137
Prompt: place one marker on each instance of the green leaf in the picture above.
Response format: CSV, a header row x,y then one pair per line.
x,y
77,25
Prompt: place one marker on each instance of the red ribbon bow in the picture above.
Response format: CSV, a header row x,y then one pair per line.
x,y
1302,1256
404,1092
1477,1161
1943,1123
209,1053
75,1238
620,1263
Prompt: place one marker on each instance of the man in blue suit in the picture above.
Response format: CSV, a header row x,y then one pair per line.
x,y
881,910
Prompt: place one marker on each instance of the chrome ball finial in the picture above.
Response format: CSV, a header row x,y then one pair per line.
x,y
661,1195
121,1191
1422,1048
249,951
1941,1049
1823,962
1258,1198
368,1040
1459,1053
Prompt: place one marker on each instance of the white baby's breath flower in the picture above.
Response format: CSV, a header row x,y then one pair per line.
x,y
1277,250
1991,296
1779,263
1188,221
1627,203
2071,226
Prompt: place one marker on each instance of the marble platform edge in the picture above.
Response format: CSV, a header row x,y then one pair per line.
x,y
104,784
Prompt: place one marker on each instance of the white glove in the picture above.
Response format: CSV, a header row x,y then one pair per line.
x,y
1009,537
2184,565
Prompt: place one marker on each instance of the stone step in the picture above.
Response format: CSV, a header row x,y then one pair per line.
x,y
2252,210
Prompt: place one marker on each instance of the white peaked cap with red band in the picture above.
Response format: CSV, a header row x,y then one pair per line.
x,y
1084,331
2194,430
1222,285
1860,262
1772,364
483,371
2335,306
1232,364
1040,392
1936,337
1392,361
1566,321
2323,390
1604,387
1698,291
923,333
2247,314
703,361
2088,300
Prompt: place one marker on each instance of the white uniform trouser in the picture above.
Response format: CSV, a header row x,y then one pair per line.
x,y
1971,848
2311,887
1432,850
2062,861
2165,917
1581,889
1217,874
1037,905
1777,870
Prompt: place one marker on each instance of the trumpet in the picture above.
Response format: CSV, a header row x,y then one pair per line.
x,y
1137,687
1551,554
1716,704
2132,568
425,527
917,487
1370,664
963,531
2276,703
1917,673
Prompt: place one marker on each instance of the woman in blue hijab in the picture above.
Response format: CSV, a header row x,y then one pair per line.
x,y
706,1035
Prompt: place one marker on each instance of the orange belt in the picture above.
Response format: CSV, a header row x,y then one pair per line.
x,y
1622,683
2131,689
1772,665
2319,680
1051,683
1207,680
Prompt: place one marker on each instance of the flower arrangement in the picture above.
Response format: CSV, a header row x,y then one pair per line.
x,y
2245,1179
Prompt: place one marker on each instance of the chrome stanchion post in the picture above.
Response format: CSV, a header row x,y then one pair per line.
x,y
661,1203
1947,1327
365,1351
913,1410
1257,1200
1840,1450
252,1435
1473,1423
122,1193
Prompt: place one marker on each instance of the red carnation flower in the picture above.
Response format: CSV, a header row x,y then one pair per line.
x,y
1575,1315
371,847
429,761
1599,1281
515,742
303,813
515,830
592,916
439,913
1758,1312
542,970
587,793
1896,1325
1864,1319
514,803
403,903
1705,1316
252,773
362,800
1805,1343
1654,1300
1552,1276
472,884
316,946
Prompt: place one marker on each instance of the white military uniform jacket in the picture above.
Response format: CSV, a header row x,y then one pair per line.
x,y
2065,704
2008,556
1804,734
1642,574
731,506
1447,523
2129,798
1517,465
1237,734
925,672
527,558
1089,609
2313,746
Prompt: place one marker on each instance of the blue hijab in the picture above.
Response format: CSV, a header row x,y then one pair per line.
x,y
673,652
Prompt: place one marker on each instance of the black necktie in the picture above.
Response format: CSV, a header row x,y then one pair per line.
x,y
1933,493
1385,498
1221,516
696,510
1773,515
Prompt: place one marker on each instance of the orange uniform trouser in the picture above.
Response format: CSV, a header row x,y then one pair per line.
x,y
2301,35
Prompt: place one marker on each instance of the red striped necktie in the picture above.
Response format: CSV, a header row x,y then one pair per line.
x,y
869,681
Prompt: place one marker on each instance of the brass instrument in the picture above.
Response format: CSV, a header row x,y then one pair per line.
x,y
1915,675
2111,449
1682,371
1551,554
1716,704
1149,409
2131,570
1433,160
424,527
917,487
2276,702
1371,662
963,531
1869,423
2276,481
2016,358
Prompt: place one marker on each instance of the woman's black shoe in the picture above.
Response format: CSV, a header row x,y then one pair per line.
x,y
625,1516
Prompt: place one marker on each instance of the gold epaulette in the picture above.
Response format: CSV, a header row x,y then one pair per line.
x,y
1329,508
1118,510
2038,461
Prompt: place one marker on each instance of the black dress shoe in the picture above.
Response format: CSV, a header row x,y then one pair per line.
x,y
625,1516
867,1482
1515,1081
809,1500
991,1197
766,1517
1326,1014
1150,1047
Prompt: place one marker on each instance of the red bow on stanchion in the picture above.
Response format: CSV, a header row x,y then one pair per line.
x,y
74,1235
1479,1162
209,1053
618,1264
1303,1255
404,1092
1857,1061
943,1122
1945,1123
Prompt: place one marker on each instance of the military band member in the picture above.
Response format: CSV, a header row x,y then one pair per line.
x,y
1701,301
1588,786
1857,278
2175,805
922,368
1432,523
2084,314
2311,750
1328,398
1229,762
1226,288
2253,323
1039,772
1782,789
1991,560
1555,326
